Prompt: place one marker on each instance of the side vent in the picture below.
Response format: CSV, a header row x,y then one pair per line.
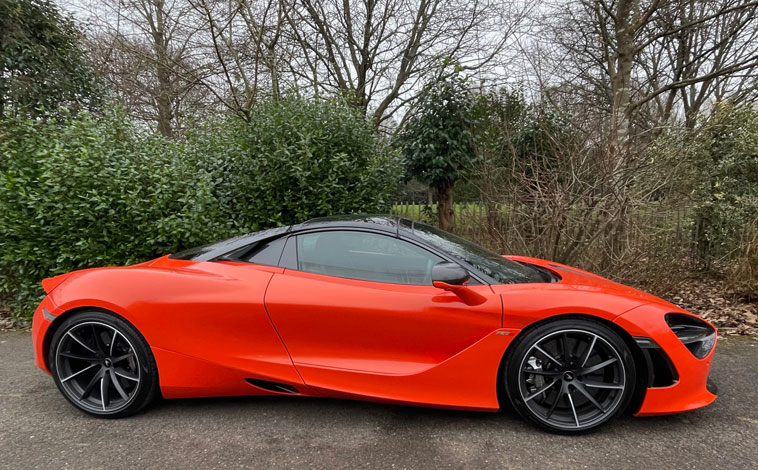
x,y
660,370
272,386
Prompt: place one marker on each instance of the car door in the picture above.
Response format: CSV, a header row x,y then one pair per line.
x,y
363,303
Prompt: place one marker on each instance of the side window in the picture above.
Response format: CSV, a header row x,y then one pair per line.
x,y
365,256
267,252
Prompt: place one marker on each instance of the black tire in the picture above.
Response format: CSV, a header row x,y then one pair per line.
x,y
570,375
103,365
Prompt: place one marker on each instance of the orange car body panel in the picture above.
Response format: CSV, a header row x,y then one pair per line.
x,y
208,311
389,341
374,327
211,325
687,393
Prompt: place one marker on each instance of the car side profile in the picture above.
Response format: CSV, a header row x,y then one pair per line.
x,y
372,308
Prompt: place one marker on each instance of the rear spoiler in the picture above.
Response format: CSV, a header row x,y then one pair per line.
x,y
52,282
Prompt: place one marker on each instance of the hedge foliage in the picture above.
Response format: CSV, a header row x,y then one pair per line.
x,y
727,179
44,70
294,160
716,167
726,214
94,191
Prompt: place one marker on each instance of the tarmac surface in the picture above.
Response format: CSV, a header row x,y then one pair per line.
x,y
39,429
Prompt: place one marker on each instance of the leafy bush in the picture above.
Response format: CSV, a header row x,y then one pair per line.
x,y
742,275
294,160
98,191
438,143
43,65
93,192
726,192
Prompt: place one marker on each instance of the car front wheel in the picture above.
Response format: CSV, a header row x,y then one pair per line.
x,y
570,375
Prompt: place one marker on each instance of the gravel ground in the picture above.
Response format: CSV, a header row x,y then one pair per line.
x,y
39,429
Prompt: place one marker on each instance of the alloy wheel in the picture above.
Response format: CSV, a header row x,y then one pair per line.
x,y
97,367
572,379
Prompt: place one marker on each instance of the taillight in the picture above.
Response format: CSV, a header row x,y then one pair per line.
x,y
697,335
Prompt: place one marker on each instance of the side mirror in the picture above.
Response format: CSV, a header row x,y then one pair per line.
x,y
449,273
451,277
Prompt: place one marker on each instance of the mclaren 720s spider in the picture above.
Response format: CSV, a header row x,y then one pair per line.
x,y
373,308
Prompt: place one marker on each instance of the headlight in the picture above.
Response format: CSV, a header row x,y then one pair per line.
x,y
697,335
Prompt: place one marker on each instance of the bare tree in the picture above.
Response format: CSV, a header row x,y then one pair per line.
x,y
242,48
631,54
378,52
142,47
626,69
712,60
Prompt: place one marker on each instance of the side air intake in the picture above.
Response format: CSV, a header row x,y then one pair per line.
x,y
660,371
272,386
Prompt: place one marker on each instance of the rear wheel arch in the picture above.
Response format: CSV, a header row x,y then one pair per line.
x,y
61,318
639,359
119,360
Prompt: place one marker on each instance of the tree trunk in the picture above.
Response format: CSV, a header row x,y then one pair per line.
x,y
621,122
165,96
621,78
164,99
445,206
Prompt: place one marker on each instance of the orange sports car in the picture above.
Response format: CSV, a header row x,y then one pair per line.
x,y
373,308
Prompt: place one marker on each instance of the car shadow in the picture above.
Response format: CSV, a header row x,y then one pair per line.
x,y
329,411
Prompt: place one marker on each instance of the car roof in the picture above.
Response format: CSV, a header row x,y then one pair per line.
x,y
385,223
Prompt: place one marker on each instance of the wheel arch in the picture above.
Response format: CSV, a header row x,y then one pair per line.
x,y
639,359
61,318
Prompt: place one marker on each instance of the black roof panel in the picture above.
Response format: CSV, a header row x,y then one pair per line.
x,y
212,251
385,223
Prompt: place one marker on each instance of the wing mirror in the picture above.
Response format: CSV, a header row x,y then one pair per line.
x,y
452,277
449,273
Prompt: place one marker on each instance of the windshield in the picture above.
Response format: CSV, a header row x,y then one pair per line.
x,y
503,270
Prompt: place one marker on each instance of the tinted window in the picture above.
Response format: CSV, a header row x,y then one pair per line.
x,y
492,264
289,255
365,256
225,247
267,252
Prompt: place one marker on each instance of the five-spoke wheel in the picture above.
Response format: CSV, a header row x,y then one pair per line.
x,y
570,375
102,365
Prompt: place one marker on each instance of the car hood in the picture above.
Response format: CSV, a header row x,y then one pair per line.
x,y
587,281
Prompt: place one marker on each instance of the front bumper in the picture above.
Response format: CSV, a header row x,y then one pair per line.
x,y
689,389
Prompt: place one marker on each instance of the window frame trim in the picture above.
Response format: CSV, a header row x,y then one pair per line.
x,y
475,275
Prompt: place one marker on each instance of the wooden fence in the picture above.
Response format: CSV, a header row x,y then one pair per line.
x,y
513,222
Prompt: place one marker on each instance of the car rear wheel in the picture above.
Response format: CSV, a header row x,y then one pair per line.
x,y
102,365
570,375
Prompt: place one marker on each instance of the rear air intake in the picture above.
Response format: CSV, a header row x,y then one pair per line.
x,y
697,335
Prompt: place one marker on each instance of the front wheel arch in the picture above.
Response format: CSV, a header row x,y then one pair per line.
x,y
639,359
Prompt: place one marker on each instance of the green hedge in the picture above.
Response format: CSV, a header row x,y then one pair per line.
x,y
294,160
94,191
726,192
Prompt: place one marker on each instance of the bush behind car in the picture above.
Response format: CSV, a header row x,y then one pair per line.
x,y
99,190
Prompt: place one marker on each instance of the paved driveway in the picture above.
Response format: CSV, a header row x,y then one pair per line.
x,y
39,429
